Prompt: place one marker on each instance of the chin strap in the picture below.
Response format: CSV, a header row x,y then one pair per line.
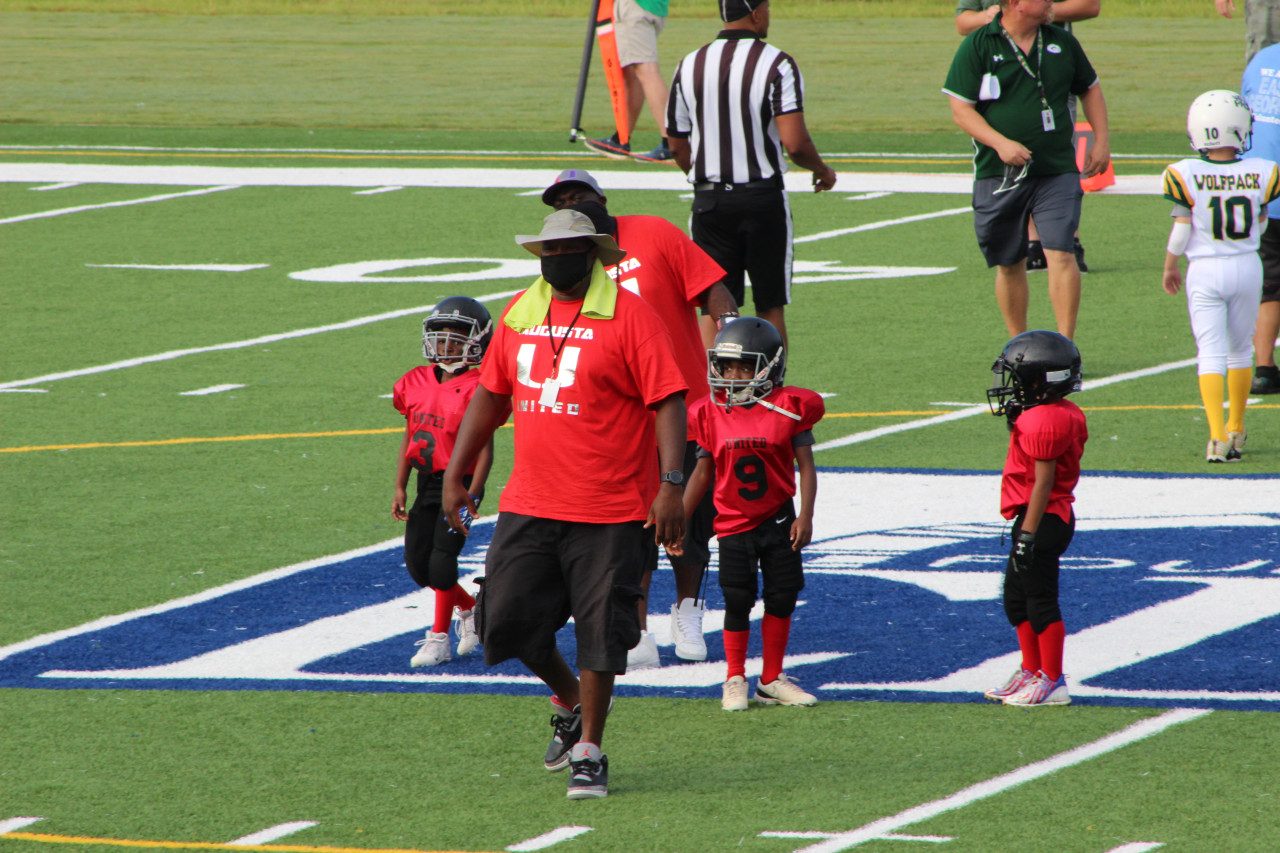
x,y
771,407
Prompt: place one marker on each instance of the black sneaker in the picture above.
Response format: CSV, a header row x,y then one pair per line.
x,y
589,779
662,152
1035,257
568,730
1079,250
1266,380
610,147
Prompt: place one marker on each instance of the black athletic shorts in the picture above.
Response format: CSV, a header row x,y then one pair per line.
x,y
540,571
431,548
747,231
768,546
1269,251
1032,596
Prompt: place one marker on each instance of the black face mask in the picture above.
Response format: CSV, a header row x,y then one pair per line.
x,y
565,272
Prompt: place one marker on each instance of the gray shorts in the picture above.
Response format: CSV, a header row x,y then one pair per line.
x,y
540,571
1000,219
636,33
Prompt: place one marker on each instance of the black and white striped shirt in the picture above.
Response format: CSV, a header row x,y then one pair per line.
x,y
724,98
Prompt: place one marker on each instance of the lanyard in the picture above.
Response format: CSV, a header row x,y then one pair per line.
x,y
555,351
1022,60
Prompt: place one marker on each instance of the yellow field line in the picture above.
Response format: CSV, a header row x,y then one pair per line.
x,y
160,442
201,845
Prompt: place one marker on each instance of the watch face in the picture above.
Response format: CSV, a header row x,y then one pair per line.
x,y
673,477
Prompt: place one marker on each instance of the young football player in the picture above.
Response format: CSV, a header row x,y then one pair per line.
x,y
754,432
433,400
1219,215
1046,439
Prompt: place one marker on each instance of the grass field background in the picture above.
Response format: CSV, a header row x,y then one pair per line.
x,y
101,518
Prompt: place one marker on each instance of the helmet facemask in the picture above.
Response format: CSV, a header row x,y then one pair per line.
x,y
453,341
739,392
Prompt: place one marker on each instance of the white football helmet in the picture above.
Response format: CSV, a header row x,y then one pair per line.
x,y
1220,119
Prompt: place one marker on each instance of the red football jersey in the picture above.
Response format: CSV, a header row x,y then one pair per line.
x,y
752,450
1049,431
669,271
591,454
435,410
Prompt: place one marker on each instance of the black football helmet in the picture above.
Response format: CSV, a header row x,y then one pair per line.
x,y
755,342
1033,367
453,313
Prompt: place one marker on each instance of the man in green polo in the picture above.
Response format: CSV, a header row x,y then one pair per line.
x,y
1008,87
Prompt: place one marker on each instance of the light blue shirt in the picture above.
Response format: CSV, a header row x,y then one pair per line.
x,y
1260,87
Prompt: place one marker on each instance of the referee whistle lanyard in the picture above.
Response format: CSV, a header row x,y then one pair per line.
x,y
1046,114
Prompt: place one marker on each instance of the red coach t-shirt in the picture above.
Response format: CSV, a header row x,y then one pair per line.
x,y
1049,431
590,455
752,451
435,410
669,272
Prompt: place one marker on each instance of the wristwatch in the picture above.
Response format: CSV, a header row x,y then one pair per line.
x,y
675,478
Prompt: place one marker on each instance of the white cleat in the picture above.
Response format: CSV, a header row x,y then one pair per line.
x,y
686,630
783,691
466,628
645,654
734,695
434,651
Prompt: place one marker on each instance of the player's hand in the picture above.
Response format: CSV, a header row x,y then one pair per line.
x,y
666,517
989,14
398,506
1172,281
466,516
454,499
1015,153
801,533
1225,7
824,179
1024,548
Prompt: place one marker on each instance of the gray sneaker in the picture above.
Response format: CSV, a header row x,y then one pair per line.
x,y
567,730
588,777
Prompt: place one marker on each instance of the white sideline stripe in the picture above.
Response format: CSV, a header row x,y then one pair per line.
x,y
184,267
63,186
378,190
66,210
889,836
1137,847
547,839
872,226
265,339
1013,779
212,389
271,833
13,824
196,598
969,412
797,181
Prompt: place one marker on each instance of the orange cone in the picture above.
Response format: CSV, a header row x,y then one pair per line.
x,y
1084,142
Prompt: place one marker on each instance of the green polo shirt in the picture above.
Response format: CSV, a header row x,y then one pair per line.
x,y
1016,111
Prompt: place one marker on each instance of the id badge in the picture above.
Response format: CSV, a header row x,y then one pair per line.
x,y
1046,118
550,390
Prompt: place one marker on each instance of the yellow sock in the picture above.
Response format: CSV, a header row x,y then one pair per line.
x,y
1238,382
1211,390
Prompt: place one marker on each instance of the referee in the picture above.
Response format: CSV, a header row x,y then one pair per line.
x,y
735,105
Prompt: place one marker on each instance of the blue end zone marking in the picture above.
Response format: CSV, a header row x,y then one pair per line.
x,y
1160,610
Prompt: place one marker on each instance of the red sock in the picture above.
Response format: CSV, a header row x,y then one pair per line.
x,y
462,599
444,610
1029,643
1052,640
775,632
735,652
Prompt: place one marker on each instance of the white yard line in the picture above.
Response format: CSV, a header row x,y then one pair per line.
x,y
233,345
13,824
1013,779
272,833
547,839
872,226
82,208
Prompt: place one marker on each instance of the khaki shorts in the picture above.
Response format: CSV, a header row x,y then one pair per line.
x,y
636,32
